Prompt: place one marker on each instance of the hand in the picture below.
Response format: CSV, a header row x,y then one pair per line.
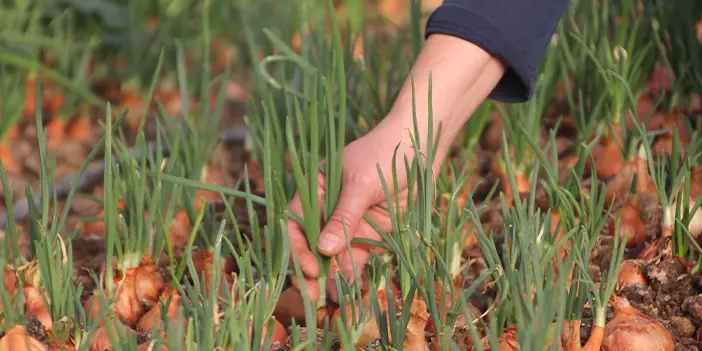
x,y
463,75
360,196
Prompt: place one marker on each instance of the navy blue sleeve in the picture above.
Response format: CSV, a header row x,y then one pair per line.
x,y
515,31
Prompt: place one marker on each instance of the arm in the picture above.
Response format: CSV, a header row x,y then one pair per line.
x,y
475,49
462,76
517,32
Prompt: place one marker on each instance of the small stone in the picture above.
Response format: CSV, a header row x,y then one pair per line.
x,y
72,153
682,326
23,148
32,163
693,306
84,206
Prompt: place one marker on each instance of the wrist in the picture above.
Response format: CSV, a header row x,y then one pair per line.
x,y
460,75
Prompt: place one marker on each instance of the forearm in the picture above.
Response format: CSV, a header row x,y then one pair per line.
x,y
462,76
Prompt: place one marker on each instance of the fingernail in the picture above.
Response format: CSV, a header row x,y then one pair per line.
x,y
328,242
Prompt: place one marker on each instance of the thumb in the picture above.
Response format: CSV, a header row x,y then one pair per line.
x,y
347,216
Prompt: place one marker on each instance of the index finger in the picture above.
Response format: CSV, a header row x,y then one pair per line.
x,y
298,243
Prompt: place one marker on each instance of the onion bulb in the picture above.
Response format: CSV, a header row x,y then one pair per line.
x,y
570,335
633,330
136,286
414,335
128,306
153,315
369,330
203,260
630,225
280,334
148,282
631,273
180,230
16,339
608,158
521,180
151,346
33,299
290,306
34,305
507,342
695,225
10,281
100,340
447,303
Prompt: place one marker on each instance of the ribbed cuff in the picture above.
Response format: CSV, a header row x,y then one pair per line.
x,y
517,84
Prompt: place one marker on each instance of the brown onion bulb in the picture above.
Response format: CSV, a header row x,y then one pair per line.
x,y
508,341
128,306
631,273
151,346
608,160
203,260
630,225
280,334
148,282
414,335
633,330
34,305
100,339
153,315
290,306
447,303
16,339
10,281
369,331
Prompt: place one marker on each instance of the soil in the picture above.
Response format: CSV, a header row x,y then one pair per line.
x,y
674,298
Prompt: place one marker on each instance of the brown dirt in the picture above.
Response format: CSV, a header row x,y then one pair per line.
x,y
673,298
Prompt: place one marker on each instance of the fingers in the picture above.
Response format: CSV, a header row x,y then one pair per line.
x,y
344,221
298,244
310,285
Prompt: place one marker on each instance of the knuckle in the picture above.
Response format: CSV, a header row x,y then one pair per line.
x,y
341,217
360,179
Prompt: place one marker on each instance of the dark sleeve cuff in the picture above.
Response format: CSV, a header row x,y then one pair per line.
x,y
517,84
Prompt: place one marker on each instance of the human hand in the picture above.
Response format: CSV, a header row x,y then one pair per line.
x,y
463,75
361,195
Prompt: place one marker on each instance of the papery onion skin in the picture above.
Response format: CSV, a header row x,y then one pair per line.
x,y
290,306
630,225
414,334
147,346
60,345
16,339
148,283
203,260
280,334
570,335
369,331
100,338
34,305
153,315
10,281
128,305
609,161
93,306
631,273
633,330
508,341
442,298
